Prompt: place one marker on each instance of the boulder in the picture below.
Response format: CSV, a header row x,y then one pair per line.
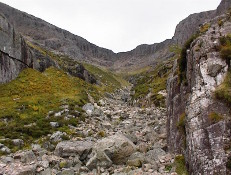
x,y
153,155
88,108
26,156
4,149
73,148
57,136
18,142
18,169
54,124
115,149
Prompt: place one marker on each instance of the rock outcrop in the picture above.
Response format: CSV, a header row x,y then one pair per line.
x,y
190,129
14,53
54,38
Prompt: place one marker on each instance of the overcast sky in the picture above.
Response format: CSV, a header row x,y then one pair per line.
x,y
119,25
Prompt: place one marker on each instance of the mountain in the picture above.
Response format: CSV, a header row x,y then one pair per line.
x,y
64,111
53,38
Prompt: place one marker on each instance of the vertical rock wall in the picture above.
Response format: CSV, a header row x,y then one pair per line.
x,y
203,141
14,53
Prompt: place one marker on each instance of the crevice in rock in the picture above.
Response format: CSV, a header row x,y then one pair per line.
x,y
14,58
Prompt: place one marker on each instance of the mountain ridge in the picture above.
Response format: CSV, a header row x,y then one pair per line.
x,y
80,49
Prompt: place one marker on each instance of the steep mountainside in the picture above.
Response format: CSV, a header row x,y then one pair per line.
x,y
52,37
198,123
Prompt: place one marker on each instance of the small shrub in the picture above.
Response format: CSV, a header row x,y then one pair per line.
x,y
225,48
180,165
228,163
63,164
220,22
65,137
214,117
101,134
168,168
204,28
223,92
181,123
182,61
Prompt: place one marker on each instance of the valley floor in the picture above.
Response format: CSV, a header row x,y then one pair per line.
x,y
116,138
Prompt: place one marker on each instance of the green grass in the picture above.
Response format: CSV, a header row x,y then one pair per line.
x,y
182,61
223,92
152,81
109,81
228,163
180,165
225,48
205,28
25,102
181,123
214,117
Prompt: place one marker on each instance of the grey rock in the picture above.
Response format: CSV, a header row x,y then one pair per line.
x,y
67,172
74,148
57,136
46,172
116,147
88,106
54,124
153,155
18,142
4,149
100,159
214,69
26,156
14,53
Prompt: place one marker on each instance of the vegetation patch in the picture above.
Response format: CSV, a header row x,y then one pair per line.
x,y
109,82
181,123
181,127
214,117
228,163
152,82
180,165
220,22
182,61
223,92
225,48
168,168
204,28
26,101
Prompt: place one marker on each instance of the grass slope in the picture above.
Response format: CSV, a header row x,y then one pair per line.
x,y
25,102
152,81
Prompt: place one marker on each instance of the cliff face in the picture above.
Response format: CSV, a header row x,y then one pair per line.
x,y
189,26
14,53
52,37
191,130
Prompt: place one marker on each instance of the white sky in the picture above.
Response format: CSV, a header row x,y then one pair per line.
x,y
119,25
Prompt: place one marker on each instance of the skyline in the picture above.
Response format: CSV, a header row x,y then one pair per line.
x,y
115,24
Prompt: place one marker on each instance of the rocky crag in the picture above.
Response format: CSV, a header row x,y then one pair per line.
x,y
192,129
17,54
